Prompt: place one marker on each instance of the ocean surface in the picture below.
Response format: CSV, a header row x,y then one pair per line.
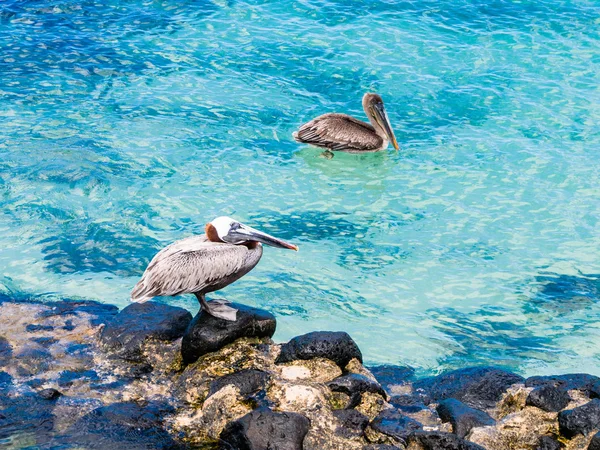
x,y
125,125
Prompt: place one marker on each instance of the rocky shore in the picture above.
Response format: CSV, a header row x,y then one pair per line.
x,y
86,375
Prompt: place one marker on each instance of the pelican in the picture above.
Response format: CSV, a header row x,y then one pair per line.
x,y
341,132
206,263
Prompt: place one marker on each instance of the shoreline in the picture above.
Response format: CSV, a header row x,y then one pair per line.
x,y
82,374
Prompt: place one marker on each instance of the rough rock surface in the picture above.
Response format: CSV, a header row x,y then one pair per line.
x,y
207,334
264,429
138,322
549,398
337,346
68,390
462,417
580,420
478,387
595,442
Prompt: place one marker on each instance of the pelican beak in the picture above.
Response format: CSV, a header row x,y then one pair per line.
x,y
247,233
384,121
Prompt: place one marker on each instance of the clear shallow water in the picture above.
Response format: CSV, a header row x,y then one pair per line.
x,y
127,125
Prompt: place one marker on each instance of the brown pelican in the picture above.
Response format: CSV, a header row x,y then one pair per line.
x,y
206,263
341,132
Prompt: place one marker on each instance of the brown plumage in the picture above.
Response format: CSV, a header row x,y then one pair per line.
x,y
341,132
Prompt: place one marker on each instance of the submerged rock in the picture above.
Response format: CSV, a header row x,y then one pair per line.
x,y
580,420
337,346
462,417
264,429
392,377
126,334
120,425
478,387
207,334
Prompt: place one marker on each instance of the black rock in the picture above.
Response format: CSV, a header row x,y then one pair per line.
x,y
407,403
263,429
32,327
589,384
594,443
49,394
5,351
67,377
120,425
390,376
248,381
580,420
207,334
437,440
395,424
126,333
462,417
478,387
355,385
548,443
549,398
353,423
337,346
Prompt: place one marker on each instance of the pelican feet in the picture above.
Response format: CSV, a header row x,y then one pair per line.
x,y
218,308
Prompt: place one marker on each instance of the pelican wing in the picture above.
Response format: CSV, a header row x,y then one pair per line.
x,y
188,266
339,132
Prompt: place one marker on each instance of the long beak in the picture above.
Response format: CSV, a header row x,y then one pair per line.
x,y
250,234
384,120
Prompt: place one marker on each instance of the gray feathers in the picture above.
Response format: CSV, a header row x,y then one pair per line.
x,y
195,265
340,132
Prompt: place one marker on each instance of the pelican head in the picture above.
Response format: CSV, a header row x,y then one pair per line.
x,y
373,106
230,231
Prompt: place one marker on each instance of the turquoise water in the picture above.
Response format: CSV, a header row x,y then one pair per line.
x,y
125,125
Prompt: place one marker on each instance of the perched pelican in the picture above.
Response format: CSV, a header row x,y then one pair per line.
x,y
341,132
206,263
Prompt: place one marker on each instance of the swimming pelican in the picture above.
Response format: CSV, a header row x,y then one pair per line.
x,y
341,132
206,263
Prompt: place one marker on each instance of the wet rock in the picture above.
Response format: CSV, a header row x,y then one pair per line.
x,y
594,443
32,361
462,417
32,328
68,377
68,326
248,381
580,420
392,423
392,376
437,440
548,397
100,312
355,385
334,345
263,429
49,394
207,334
5,351
353,423
5,379
549,443
120,425
26,414
407,403
478,387
589,384
44,341
126,333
